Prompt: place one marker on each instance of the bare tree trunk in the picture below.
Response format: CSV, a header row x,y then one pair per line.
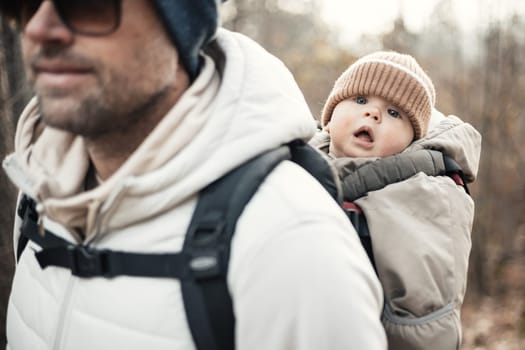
x,y
12,97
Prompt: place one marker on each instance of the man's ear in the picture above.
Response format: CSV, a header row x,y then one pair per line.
x,y
327,127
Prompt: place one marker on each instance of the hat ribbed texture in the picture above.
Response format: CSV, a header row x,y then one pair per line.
x,y
396,77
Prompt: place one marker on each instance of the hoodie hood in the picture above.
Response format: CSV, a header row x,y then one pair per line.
x,y
218,124
456,139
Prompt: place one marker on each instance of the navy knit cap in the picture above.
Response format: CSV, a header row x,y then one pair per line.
x,y
190,24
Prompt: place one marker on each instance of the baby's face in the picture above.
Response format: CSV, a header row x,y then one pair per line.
x,y
368,126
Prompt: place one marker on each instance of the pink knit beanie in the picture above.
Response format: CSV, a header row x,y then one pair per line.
x,y
396,77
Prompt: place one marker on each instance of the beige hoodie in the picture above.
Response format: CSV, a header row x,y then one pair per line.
x,y
57,162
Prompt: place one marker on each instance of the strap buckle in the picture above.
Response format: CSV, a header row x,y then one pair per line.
x,y
22,206
26,206
86,262
204,264
206,248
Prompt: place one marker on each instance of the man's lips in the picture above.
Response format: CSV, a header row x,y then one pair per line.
x,y
59,67
59,74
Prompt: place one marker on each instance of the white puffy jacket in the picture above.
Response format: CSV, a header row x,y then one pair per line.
x,y
298,276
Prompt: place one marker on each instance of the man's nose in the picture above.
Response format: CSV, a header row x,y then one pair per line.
x,y
46,25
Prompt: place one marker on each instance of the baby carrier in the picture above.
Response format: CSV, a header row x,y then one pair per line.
x,y
202,264
422,271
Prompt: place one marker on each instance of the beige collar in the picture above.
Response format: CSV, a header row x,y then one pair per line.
x,y
58,161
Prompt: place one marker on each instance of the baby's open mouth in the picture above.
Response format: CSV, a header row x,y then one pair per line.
x,y
364,134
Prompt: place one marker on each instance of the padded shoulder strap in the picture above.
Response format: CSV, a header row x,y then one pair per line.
x,y
202,265
206,298
24,207
318,165
382,172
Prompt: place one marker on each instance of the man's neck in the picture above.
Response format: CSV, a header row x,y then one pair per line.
x,y
109,151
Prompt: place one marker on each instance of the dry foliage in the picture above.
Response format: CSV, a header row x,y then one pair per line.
x,y
482,80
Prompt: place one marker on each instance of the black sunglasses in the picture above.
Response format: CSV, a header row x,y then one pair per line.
x,y
88,17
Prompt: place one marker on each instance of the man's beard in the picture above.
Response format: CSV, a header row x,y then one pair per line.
x,y
110,109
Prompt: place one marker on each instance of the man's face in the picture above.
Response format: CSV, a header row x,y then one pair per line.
x,y
93,85
368,126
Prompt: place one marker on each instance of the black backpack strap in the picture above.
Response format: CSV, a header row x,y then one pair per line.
x,y
202,265
453,170
29,229
84,261
206,298
358,220
318,165
21,211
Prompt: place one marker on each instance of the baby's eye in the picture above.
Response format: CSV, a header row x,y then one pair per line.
x,y
360,100
394,113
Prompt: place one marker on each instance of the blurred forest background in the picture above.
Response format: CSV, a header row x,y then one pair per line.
x,y
480,78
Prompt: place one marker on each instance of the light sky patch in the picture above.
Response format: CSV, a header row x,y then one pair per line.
x,y
352,18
